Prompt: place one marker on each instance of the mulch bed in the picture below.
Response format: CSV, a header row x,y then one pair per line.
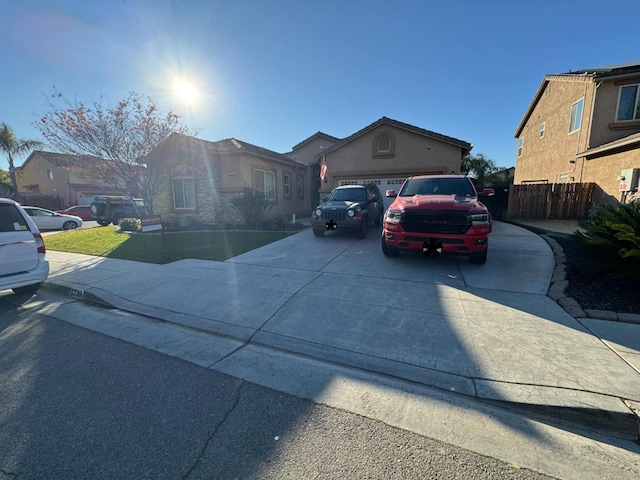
x,y
593,291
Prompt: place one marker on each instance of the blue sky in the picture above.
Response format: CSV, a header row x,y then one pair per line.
x,y
273,72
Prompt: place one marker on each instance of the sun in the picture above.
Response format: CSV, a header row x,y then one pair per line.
x,y
185,91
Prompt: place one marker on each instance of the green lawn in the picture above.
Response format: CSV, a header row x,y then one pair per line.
x,y
153,248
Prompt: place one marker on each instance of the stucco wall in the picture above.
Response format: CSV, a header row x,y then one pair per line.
x,y
411,154
605,172
548,157
605,128
34,171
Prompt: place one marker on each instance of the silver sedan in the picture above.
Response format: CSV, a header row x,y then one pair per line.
x,y
48,220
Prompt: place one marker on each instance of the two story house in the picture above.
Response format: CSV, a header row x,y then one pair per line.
x,y
71,178
583,126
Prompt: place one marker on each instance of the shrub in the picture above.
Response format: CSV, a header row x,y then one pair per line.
x,y
252,206
129,225
611,245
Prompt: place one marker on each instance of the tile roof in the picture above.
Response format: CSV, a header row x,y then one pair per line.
x,y
313,137
62,159
232,145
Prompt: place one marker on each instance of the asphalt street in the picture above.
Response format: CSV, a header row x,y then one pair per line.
x,y
79,404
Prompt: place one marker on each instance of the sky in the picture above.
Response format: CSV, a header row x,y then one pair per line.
x,y
274,72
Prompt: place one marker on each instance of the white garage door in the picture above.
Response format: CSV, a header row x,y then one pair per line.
x,y
383,184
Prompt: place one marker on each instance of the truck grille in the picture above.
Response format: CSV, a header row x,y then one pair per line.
x,y
337,215
437,222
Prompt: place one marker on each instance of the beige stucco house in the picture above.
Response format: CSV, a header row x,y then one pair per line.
x,y
582,127
71,178
386,152
203,176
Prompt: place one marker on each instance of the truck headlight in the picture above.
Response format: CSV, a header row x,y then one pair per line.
x,y
392,216
479,219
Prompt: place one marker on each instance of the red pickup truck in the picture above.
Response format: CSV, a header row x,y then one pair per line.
x,y
437,213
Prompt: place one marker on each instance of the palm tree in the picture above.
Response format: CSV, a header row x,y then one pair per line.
x,y
12,147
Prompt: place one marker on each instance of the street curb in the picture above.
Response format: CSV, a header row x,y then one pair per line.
x,y
75,293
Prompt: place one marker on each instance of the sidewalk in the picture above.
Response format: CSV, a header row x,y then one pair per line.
x,y
488,332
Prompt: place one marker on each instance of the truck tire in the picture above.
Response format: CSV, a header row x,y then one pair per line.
x,y
479,258
387,250
116,219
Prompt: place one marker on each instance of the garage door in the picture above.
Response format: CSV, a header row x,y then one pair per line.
x,y
383,184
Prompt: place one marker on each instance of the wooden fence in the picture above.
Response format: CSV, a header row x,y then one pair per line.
x,y
550,201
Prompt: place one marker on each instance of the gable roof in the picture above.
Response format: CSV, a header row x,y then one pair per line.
x,y
313,137
465,146
61,160
584,75
229,146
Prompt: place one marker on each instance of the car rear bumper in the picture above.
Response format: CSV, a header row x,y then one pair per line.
x,y
22,279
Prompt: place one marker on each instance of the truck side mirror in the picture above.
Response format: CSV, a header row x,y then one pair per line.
x,y
488,192
391,193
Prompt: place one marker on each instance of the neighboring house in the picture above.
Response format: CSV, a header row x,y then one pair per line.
x,y
501,178
582,127
71,178
386,153
202,176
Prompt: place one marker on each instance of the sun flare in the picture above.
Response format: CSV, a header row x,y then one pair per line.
x,y
185,91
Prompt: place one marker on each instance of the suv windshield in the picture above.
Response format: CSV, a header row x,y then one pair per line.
x,y
437,186
349,194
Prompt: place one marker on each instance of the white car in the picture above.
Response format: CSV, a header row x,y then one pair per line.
x,y
23,265
48,220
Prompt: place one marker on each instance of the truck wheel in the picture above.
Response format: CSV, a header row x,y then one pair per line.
x,y
318,233
116,219
479,258
388,250
361,233
104,223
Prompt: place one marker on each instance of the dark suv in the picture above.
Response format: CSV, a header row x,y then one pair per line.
x,y
108,209
351,207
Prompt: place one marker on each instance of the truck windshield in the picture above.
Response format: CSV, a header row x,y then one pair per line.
x,y
438,186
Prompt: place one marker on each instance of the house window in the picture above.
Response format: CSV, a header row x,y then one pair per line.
x,y
286,184
576,116
300,186
49,174
184,192
384,144
265,182
542,127
520,146
629,103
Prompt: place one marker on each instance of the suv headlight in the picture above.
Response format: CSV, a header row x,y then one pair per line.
x,y
318,213
479,219
351,213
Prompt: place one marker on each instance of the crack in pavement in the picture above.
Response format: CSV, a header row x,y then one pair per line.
x,y
196,463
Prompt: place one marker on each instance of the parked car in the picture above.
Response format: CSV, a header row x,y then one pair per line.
x,y
112,209
437,213
350,207
23,265
82,211
48,220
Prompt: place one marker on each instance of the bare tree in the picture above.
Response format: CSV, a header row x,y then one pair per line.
x,y
121,135
13,147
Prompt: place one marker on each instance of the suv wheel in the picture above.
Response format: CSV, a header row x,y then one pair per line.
x,y
378,221
116,219
69,225
479,258
104,223
318,233
362,231
388,250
